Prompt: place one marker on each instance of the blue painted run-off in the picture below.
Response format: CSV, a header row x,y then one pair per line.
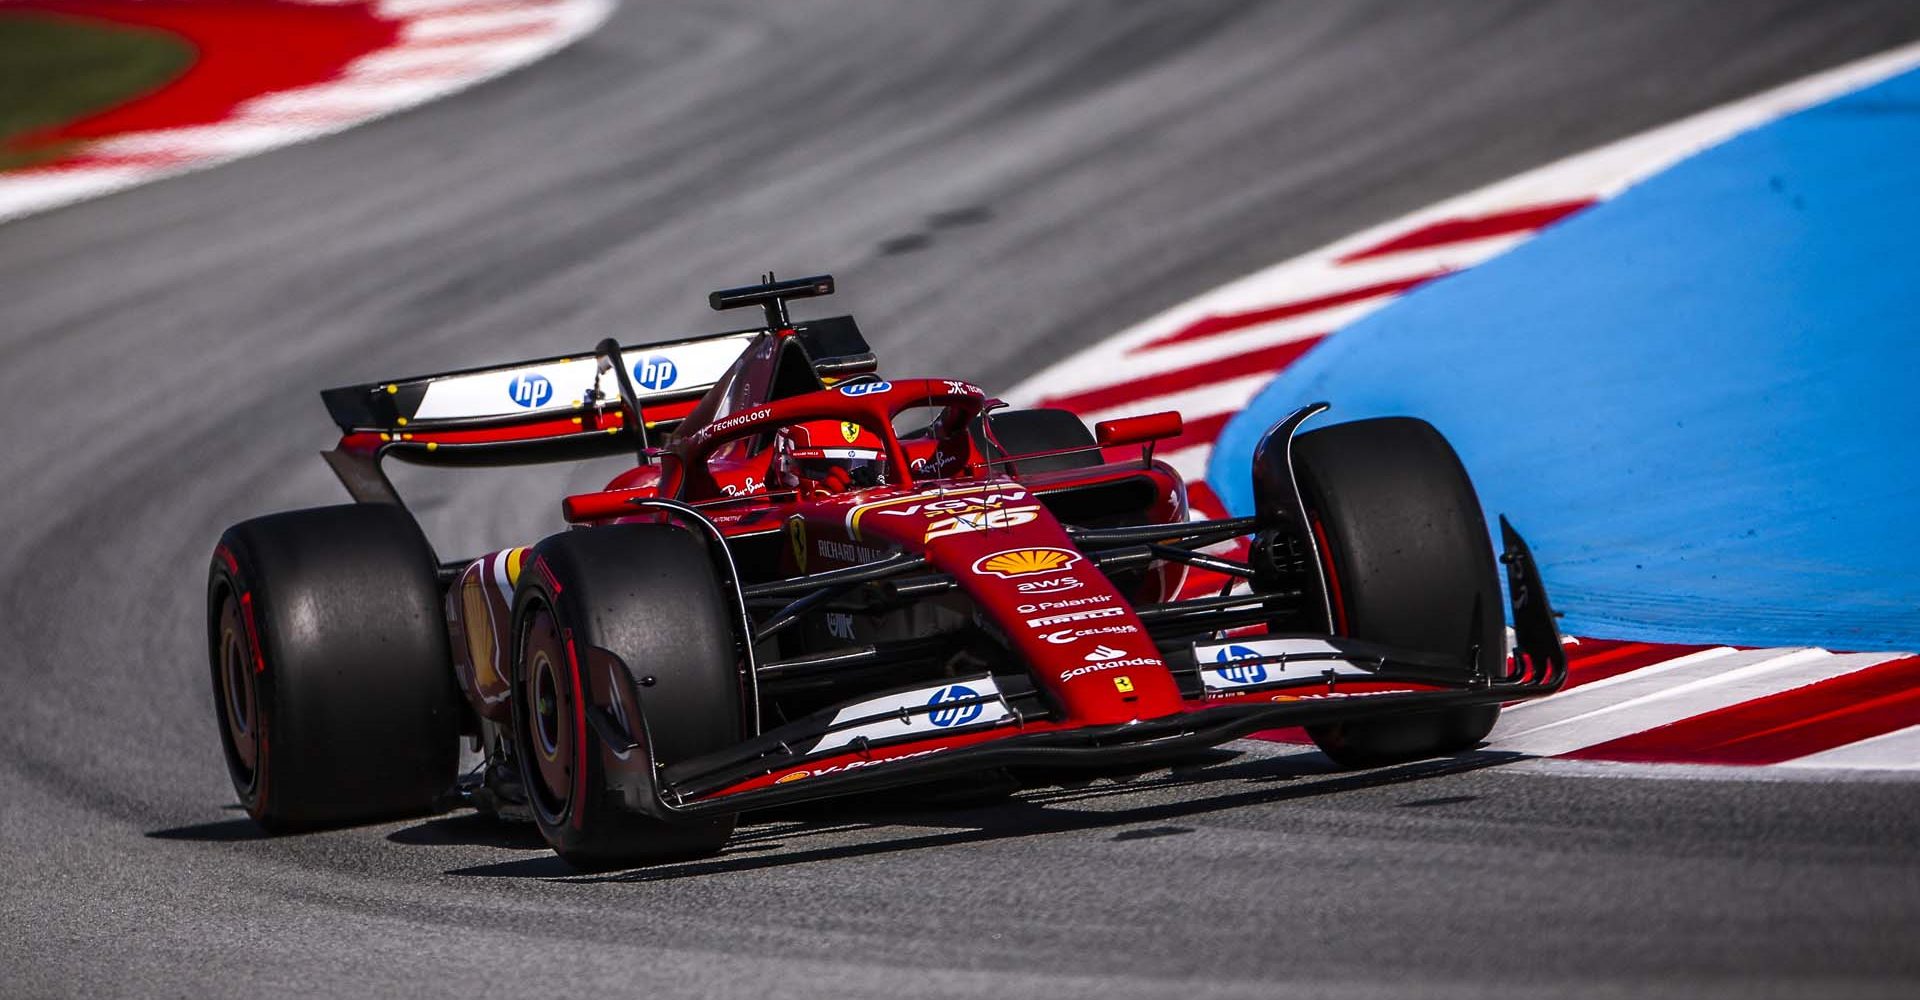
x,y
1700,401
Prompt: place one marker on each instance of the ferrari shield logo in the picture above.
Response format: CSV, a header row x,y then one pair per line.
x,y
797,534
850,431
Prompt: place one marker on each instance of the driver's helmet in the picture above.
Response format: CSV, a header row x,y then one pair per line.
x,y
827,454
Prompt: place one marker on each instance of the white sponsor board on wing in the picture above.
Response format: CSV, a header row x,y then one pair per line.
x,y
954,707
1231,665
657,370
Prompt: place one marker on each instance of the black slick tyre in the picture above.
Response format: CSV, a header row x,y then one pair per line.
x,y
649,595
331,674
1025,432
1405,551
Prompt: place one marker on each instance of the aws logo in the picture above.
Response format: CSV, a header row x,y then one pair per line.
x,y
1049,586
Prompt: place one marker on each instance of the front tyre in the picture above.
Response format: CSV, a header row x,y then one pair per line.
x,y
1404,548
331,675
648,594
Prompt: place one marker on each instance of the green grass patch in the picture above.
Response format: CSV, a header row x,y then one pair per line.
x,y
55,70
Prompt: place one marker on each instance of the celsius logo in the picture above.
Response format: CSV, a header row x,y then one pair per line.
x,y
1242,673
1067,635
865,388
959,715
530,390
655,373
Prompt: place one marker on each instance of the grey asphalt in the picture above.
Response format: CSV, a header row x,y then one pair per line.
x,y
995,184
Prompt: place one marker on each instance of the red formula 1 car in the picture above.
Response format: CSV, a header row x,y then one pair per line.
x,y
816,581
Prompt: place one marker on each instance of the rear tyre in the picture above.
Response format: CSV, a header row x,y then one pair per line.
x,y
1405,551
331,674
1024,432
646,593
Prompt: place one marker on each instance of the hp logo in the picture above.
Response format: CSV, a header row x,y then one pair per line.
x,y
959,716
530,390
655,373
1244,673
865,388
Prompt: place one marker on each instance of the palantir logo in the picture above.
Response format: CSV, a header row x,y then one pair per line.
x,y
530,390
655,373
1240,673
959,715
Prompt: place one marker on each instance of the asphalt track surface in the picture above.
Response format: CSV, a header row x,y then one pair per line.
x,y
995,184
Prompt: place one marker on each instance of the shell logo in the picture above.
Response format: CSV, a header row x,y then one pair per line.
x,y
792,776
1009,563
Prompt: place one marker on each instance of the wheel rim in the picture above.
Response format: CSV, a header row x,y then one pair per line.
x,y
546,714
239,697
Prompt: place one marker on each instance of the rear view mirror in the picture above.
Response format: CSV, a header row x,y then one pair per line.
x,y
1134,430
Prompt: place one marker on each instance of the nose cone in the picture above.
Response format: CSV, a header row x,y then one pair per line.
x,y
1059,614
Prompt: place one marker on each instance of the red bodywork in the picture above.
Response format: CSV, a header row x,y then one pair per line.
x,y
1011,577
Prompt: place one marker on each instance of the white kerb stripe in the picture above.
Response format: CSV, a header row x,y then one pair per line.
x,y
460,25
404,58
1635,676
1895,751
1714,685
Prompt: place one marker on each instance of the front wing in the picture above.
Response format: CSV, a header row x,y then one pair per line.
x,y
1232,689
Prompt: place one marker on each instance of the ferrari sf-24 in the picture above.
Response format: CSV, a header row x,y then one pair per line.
x,y
817,580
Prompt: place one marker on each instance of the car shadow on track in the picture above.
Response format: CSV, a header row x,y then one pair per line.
x,y
470,829
1035,813
219,831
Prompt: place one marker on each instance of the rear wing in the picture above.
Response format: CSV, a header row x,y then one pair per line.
x,y
565,408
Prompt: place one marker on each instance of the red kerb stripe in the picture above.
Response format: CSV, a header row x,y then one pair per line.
x,y
1598,659
1213,326
1806,720
1205,502
1266,359
1477,227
